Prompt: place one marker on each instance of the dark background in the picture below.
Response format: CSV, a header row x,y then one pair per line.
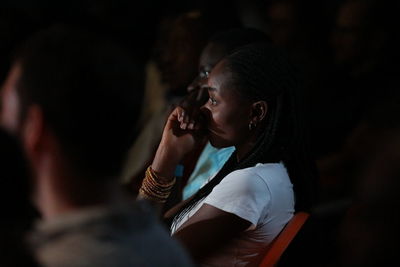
x,y
351,102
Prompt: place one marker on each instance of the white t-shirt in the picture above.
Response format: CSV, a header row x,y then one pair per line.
x,y
262,195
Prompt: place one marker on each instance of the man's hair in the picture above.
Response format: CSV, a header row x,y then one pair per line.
x,y
89,91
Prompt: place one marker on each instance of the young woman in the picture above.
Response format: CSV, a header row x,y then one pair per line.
x,y
253,106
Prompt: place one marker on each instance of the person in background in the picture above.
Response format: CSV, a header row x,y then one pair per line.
x,y
253,106
369,233
177,50
364,52
71,99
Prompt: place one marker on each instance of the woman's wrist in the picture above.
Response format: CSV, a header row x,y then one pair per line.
x,y
155,188
165,162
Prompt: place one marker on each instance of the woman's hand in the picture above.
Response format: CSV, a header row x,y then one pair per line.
x,y
181,135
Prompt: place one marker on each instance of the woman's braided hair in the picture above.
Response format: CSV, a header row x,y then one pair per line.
x,y
262,72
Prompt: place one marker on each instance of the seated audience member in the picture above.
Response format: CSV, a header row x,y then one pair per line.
x,y
364,51
369,234
17,211
70,98
252,106
339,172
177,51
343,175
221,44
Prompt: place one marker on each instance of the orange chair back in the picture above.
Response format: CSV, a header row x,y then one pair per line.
x,y
282,241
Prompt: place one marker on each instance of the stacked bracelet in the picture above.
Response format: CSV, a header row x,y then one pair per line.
x,y
153,189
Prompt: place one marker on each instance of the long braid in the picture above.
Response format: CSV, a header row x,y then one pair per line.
x,y
261,72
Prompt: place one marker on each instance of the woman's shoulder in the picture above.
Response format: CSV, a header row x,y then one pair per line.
x,y
262,170
261,173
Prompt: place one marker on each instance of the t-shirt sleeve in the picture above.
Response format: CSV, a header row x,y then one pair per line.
x,y
242,193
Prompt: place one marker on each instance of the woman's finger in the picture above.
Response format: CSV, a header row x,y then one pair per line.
x,y
181,114
183,125
191,125
186,118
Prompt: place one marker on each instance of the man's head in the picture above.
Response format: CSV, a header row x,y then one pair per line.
x,y
178,49
365,35
222,44
82,90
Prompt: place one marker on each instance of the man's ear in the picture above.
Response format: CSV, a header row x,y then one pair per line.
x,y
33,130
258,111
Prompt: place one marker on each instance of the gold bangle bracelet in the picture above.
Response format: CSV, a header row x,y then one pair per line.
x,y
152,189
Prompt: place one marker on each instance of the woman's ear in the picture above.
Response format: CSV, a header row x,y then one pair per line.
x,y
259,111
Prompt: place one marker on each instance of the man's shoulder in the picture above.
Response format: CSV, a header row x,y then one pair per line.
x,y
130,236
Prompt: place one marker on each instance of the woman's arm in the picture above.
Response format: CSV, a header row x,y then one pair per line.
x,y
208,230
181,134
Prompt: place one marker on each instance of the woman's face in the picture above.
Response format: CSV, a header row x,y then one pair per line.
x,y
228,114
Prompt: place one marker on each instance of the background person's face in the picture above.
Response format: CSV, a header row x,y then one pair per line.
x,y
347,34
282,23
209,57
179,49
